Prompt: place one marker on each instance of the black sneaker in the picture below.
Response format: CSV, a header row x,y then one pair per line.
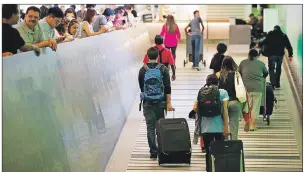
x,y
153,156
278,86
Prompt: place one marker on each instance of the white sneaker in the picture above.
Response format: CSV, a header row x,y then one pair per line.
x,y
197,68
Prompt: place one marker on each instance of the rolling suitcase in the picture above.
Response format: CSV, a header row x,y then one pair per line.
x,y
268,102
226,156
174,144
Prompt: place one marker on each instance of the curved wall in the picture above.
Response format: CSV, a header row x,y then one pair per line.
x,y
64,111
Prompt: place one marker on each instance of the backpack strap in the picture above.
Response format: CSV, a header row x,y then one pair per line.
x,y
160,54
158,66
146,67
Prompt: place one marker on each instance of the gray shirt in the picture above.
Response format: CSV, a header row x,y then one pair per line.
x,y
100,20
252,72
195,26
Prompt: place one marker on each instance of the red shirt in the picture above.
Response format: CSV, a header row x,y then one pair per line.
x,y
167,56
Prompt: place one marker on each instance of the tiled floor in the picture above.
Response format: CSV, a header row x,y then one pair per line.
x,y
269,149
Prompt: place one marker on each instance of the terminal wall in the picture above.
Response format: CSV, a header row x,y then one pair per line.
x,y
63,111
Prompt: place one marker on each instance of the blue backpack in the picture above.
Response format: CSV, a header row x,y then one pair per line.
x,y
153,84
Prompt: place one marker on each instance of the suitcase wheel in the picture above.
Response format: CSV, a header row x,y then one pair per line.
x,y
184,63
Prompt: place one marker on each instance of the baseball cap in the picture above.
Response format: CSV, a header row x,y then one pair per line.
x,y
108,12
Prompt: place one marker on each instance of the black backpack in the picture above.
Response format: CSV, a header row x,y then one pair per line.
x,y
160,52
209,103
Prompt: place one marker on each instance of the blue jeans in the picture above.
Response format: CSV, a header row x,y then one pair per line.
x,y
196,43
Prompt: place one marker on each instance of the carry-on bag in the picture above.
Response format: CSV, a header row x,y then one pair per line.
x,y
226,156
173,138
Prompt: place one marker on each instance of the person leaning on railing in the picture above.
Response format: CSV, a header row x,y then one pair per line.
x,y
104,22
11,39
31,31
87,25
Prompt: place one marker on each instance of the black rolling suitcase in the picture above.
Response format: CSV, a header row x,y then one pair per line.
x,y
268,102
174,144
226,156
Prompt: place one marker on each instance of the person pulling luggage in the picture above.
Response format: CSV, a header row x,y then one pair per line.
x,y
154,83
212,109
196,37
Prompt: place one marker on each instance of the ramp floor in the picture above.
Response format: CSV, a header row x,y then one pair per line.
x,y
269,149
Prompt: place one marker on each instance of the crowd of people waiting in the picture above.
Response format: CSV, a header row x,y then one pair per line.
x,y
48,26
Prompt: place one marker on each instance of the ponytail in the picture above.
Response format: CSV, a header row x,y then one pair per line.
x,y
252,54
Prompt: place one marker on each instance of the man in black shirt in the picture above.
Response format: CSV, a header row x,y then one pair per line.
x,y
216,62
154,110
11,39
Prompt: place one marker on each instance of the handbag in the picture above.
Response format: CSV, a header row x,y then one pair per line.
x,y
240,89
247,113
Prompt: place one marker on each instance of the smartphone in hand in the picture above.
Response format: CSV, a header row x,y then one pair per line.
x,y
60,39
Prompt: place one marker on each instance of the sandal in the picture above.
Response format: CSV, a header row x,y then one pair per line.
x,y
254,129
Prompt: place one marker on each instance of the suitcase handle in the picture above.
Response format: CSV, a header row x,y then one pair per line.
x,y
166,113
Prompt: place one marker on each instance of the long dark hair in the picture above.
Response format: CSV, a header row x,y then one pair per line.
x,y
89,15
170,24
252,54
228,65
74,21
70,10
